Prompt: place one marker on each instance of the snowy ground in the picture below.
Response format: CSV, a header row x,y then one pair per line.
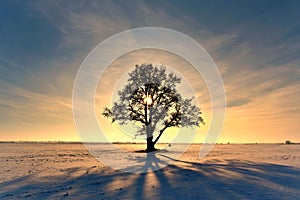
x,y
69,171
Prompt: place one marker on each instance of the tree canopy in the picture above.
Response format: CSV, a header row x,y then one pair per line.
x,y
151,100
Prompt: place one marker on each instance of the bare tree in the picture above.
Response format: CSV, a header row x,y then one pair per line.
x,y
151,100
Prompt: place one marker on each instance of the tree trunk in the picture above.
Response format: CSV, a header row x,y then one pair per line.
x,y
150,144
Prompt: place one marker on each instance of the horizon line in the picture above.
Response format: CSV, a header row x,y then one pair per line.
x,y
79,142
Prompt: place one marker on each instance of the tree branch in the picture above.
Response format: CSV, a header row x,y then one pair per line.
x,y
160,133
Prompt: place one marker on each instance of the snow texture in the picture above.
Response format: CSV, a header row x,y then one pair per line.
x,y
69,171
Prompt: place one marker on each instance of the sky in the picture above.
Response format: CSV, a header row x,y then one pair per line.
x,y
255,45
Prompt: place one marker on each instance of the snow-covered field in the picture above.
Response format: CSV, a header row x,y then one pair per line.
x,y
69,171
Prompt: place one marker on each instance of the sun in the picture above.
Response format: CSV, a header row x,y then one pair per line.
x,y
148,100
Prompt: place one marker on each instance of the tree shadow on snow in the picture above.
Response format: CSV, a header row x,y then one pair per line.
x,y
213,179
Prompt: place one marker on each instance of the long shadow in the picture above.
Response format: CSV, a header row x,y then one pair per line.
x,y
229,179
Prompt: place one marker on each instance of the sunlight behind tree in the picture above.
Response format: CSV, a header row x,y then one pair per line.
x,y
150,99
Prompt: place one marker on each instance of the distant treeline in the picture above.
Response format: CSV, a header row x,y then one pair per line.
x,y
70,142
42,142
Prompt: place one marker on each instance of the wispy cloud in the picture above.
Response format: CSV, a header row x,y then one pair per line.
x,y
255,45
18,104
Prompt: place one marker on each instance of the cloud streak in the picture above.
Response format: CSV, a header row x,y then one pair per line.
x,y
254,44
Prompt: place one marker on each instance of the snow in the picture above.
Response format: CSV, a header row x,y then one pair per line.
x,y
69,171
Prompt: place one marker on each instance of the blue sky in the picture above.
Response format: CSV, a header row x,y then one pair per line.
x,y
255,44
